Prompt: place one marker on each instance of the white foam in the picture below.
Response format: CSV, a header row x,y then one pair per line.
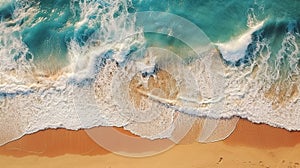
x,y
258,93
235,49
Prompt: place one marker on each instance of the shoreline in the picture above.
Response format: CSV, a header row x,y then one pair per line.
x,y
250,145
56,142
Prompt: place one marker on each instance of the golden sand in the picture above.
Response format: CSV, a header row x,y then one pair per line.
x,y
192,155
52,143
251,145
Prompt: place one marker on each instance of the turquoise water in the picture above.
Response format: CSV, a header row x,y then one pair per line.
x,y
49,28
222,19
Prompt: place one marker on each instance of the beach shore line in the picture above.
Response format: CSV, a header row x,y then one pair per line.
x,y
250,145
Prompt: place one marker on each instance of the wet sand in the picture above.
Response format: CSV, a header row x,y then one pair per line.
x,y
262,136
251,145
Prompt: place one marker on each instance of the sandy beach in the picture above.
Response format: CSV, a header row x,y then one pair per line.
x,y
251,145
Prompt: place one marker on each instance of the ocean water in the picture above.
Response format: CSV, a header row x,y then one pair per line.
x,y
152,67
